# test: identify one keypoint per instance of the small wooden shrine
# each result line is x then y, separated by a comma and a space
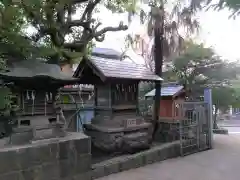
117, 125
171, 97
171, 112
36, 85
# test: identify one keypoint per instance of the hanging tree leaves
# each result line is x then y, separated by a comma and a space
12, 42
180, 16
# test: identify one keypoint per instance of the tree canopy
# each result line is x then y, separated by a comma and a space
12, 41
232, 5
179, 16
65, 30
199, 67
62, 29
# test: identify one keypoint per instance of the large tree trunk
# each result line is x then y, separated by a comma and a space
158, 59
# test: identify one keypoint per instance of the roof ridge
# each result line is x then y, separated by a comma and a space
121, 69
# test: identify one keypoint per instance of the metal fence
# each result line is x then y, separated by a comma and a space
190, 123
195, 129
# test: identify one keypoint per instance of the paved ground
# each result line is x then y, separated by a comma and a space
233, 125
221, 163
229, 123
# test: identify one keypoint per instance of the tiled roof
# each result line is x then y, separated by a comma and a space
121, 69
32, 69
166, 91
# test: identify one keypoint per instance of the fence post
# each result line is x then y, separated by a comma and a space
208, 100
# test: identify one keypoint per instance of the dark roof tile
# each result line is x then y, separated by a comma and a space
122, 69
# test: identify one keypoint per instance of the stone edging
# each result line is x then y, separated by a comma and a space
123, 163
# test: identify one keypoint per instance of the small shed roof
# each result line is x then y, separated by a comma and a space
111, 68
167, 91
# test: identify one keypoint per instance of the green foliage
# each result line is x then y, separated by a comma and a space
222, 97
232, 5
198, 67
121, 5
236, 86
177, 16
6, 101
59, 36
12, 42
62, 37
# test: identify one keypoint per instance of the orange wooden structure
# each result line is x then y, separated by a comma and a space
171, 97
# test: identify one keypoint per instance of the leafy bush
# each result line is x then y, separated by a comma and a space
8, 110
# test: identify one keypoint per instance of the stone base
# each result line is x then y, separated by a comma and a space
126, 140
27, 134
62, 158
168, 131
126, 162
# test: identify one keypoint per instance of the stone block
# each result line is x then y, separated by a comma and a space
177, 150
65, 169
174, 151
31, 173
163, 154
64, 150
8, 162
111, 168
74, 147
42, 153
126, 164
83, 163
83, 176
98, 171
24, 159
83, 146
134, 162
73, 166
54, 159
142, 156
50, 170
10, 176
21, 138
138, 161
152, 156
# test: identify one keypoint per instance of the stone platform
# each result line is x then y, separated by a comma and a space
120, 139
61, 158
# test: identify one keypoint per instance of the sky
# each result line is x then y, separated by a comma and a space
217, 31
220, 32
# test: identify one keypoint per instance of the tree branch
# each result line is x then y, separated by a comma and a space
100, 35
89, 9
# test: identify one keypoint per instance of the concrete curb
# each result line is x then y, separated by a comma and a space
123, 163
230, 125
